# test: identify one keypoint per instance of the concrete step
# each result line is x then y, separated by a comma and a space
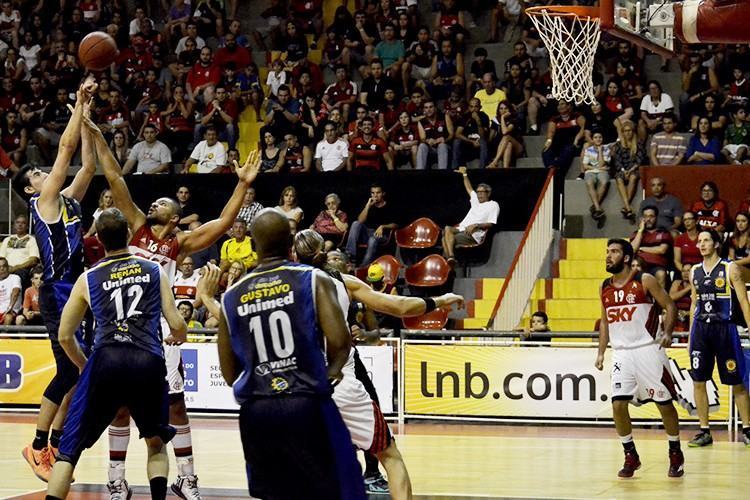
534, 145
577, 200
578, 269
530, 162
575, 288
584, 248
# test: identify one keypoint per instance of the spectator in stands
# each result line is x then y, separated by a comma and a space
31, 314
208, 155
595, 166
737, 138
341, 94
472, 135
239, 248
113, 117
54, 119
654, 107
185, 286
404, 140
419, 57
489, 96
679, 292
208, 254
34, 104
392, 53
297, 158
653, 245
288, 205
716, 117
539, 323
450, 21
284, 113
738, 94
10, 294
628, 154
670, 207
376, 280
13, 138
275, 78
434, 134
447, 70
473, 229
374, 226
179, 123
105, 201
506, 128
739, 247
704, 147
626, 58
250, 207
367, 150
187, 311
7, 166
202, 77
231, 52
711, 211
293, 45
599, 119
617, 103
221, 113
686, 244
564, 136
667, 147
271, 157
150, 156
187, 207
331, 153
20, 250
273, 16
698, 81
10, 23
119, 147
373, 87
331, 223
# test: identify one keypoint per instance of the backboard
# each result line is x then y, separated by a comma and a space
648, 23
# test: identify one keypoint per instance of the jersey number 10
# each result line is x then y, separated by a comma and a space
280, 329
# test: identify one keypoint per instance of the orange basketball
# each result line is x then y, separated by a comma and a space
97, 51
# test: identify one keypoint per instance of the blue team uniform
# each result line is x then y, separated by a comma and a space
126, 367
714, 334
61, 250
295, 443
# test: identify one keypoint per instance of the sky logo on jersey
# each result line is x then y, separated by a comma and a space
190, 366
11, 371
616, 315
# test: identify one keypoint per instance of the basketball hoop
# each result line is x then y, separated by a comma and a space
571, 36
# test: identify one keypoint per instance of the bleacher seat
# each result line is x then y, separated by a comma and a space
391, 269
433, 320
422, 233
433, 270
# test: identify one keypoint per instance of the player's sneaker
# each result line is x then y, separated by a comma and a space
632, 464
119, 490
376, 484
676, 463
39, 460
746, 438
53, 452
701, 439
187, 487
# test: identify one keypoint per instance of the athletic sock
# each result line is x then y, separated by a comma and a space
371, 465
119, 437
54, 438
158, 488
628, 444
40, 440
674, 442
183, 450
705, 430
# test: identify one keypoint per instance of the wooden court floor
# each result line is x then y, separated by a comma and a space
445, 461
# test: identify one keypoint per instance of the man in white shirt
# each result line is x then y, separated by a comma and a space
192, 32
20, 250
185, 285
331, 153
10, 293
209, 155
148, 156
473, 229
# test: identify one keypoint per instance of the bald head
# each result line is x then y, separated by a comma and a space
270, 230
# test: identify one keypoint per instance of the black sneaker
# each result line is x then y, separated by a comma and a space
676, 464
376, 484
701, 439
632, 464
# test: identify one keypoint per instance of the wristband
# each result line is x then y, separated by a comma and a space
429, 304
333, 382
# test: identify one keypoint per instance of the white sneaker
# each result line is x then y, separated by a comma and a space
119, 490
187, 487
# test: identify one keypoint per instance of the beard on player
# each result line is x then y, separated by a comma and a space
616, 267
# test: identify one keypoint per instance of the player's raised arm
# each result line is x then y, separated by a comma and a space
667, 304
228, 361
603, 337
395, 305
72, 316
211, 231
207, 288
740, 290
82, 179
113, 173
332, 322
177, 325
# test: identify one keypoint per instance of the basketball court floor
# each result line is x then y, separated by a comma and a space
445, 461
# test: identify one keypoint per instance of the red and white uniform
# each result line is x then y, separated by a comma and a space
185, 288
164, 252
640, 368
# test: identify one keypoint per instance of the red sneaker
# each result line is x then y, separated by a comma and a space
676, 463
632, 464
39, 460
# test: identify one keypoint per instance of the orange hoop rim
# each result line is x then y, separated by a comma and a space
581, 13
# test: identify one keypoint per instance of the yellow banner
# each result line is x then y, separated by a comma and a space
528, 382
26, 367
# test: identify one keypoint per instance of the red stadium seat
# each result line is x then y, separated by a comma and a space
433, 270
433, 320
391, 269
422, 233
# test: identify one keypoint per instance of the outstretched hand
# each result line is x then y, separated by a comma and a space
449, 299
87, 89
208, 284
250, 170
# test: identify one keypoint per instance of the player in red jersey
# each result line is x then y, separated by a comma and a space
631, 304
154, 238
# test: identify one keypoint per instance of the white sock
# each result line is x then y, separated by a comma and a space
673, 438
119, 437
183, 450
626, 439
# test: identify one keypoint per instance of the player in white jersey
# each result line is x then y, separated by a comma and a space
154, 239
631, 303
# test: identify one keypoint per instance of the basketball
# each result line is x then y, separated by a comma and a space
97, 51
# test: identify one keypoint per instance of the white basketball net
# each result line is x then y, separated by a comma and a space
571, 42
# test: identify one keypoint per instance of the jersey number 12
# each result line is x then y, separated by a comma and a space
134, 291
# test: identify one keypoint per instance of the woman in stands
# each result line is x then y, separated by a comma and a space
679, 291
739, 249
716, 118
338, 121
271, 155
179, 119
390, 111
704, 147
508, 129
686, 244
653, 106
312, 119
105, 201
630, 85
14, 138
119, 147
404, 140
710, 211
628, 154
331, 223
288, 205
617, 103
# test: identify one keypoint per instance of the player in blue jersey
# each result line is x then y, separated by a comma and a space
56, 215
278, 327
128, 296
717, 287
